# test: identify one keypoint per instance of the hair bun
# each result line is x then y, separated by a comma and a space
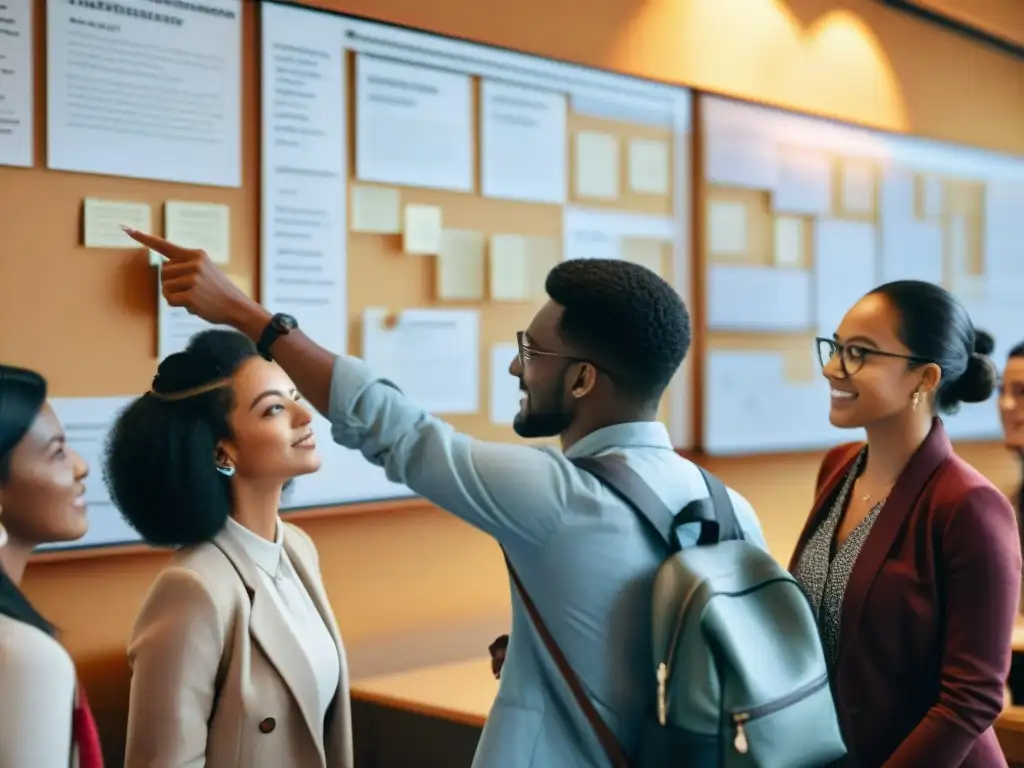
184, 370
978, 382
984, 344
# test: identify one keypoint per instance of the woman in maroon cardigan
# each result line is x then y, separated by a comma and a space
910, 558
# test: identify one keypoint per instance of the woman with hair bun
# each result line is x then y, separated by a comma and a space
45, 720
236, 657
910, 557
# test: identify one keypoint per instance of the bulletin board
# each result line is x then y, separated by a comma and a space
803, 216
381, 275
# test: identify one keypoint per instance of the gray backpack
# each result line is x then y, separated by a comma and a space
740, 678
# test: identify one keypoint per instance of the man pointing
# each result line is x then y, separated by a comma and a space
592, 365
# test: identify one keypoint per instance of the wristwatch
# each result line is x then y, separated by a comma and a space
279, 325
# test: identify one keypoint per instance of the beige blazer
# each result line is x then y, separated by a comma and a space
218, 678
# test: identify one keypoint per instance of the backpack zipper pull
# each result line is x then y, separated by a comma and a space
740, 742
662, 676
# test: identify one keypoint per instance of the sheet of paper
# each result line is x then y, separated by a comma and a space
646, 252
432, 355
304, 216
87, 422
930, 196
304, 171
522, 143
460, 266
166, 101
789, 241
102, 220
742, 298
544, 255
199, 225
510, 268
17, 83
597, 165
376, 210
858, 188
414, 125
844, 269
727, 228
649, 171
804, 183
598, 234
505, 392
175, 326
422, 230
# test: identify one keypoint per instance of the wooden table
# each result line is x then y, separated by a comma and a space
423, 717
1018, 635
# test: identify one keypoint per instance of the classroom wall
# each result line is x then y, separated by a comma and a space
409, 583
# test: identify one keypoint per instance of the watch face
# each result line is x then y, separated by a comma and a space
285, 322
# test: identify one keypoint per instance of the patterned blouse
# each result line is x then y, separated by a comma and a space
823, 574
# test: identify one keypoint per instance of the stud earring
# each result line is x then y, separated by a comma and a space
915, 400
227, 471
3, 535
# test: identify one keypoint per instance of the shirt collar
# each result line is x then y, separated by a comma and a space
265, 554
634, 434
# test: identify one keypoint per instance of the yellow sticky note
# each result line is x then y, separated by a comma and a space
646, 252
544, 255
648, 167
510, 268
199, 225
789, 241
243, 282
460, 266
799, 365
102, 221
597, 165
727, 228
376, 210
421, 235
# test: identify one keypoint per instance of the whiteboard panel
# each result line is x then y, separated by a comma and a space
918, 229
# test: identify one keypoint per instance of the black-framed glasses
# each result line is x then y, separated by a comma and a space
852, 356
526, 352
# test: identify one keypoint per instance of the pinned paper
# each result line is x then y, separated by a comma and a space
510, 268
800, 363
597, 165
198, 225
858, 188
102, 221
544, 256
648, 167
789, 241
930, 196
376, 210
422, 230
460, 266
646, 252
727, 228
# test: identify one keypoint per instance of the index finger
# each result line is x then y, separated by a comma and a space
163, 247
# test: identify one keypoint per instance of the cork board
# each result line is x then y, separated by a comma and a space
86, 318
624, 134
380, 274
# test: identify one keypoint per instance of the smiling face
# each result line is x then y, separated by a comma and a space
880, 378
545, 410
42, 499
1011, 403
272, 433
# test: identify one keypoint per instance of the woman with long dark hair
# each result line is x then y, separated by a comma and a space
45, 721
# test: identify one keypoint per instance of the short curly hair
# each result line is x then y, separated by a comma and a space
159, 464
625, 318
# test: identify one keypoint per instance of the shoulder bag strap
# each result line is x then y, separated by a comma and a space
604, 734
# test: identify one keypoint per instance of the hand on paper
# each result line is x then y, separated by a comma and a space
191, 280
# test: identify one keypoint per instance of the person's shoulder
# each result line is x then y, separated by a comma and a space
28, 654
835, 458
961, 490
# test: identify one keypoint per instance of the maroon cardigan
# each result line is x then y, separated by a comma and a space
924, 647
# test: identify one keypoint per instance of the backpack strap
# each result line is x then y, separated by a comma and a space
715, 514
609, 743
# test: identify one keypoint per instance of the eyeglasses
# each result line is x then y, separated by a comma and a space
852, 356
527, 352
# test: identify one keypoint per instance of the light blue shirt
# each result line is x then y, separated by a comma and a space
585, 557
